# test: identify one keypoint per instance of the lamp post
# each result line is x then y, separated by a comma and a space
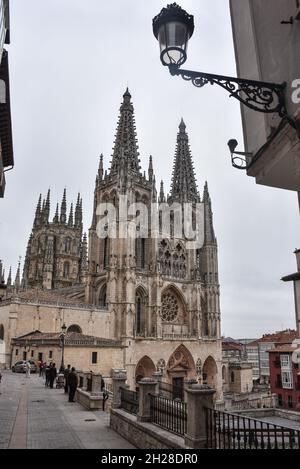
173, 27
62, 340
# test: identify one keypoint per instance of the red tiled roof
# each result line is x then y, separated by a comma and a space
52, 296
283, 337
231, 346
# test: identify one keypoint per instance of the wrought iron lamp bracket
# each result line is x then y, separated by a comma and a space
257, 95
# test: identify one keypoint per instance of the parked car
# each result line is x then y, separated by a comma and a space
19, 367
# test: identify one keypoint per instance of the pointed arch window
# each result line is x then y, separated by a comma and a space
66, 272
102, 297
67, 245
106, 252
140, 253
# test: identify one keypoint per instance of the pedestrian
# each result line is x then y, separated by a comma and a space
73, 383
41, 364
47, 373
104, 394
66, 374
44, 369
27, 369
52, 375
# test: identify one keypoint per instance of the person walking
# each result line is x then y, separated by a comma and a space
27, 369
73, 383
66, 374
41, 364
47, 373
52, 375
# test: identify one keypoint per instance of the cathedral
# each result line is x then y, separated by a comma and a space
152, 296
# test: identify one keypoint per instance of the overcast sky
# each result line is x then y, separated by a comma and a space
70, 62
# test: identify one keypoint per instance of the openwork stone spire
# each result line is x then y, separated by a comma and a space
183, 185
125, 154
209, 233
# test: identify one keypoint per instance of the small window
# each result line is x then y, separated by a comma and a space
50, 354
17, 351
94, 357
40, 357
280, 400
32, 353
232, 377
290, 401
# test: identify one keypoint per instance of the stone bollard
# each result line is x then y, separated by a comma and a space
187, 384
96, 384
119, 381
147, 386
84, 385
157, 376
199, 398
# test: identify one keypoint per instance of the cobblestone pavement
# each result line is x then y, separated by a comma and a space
35, 417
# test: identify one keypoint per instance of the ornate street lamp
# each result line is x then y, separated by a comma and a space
62, 340
173, 27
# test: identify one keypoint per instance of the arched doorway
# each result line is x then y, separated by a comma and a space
210, 371
180, 366
74, 328
144, 369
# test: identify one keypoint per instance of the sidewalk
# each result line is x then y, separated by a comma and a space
36, 417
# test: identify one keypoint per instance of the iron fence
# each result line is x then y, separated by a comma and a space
168, 414
129, 401
170, 391
230, 431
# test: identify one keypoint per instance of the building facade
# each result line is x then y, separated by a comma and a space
267, 46
285, 376
258, 353
295, 278
153, 292
6, 141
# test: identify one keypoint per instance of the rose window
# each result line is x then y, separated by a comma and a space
169, 310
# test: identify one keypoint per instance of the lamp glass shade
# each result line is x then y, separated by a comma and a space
63, 328
173, 41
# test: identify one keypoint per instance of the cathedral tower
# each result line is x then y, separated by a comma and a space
54, 251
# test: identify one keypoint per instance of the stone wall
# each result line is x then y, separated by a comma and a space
143, 435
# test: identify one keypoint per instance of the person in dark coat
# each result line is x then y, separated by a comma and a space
66, 374
73, 383
47, 374
52, 375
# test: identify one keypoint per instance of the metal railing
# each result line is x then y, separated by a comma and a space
230, 431
129, 401
170, 391
168, 414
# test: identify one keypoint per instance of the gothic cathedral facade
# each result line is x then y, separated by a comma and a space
153, 294
163, 298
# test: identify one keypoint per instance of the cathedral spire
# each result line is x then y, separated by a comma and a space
70, 222
209, 234
100, 170
56, 216
150, 169
47, 208
38, 212
9, 278
162, 198
63, 208
125, 153
17, 283
183, 185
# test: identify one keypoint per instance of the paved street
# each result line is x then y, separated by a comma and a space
35, 417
